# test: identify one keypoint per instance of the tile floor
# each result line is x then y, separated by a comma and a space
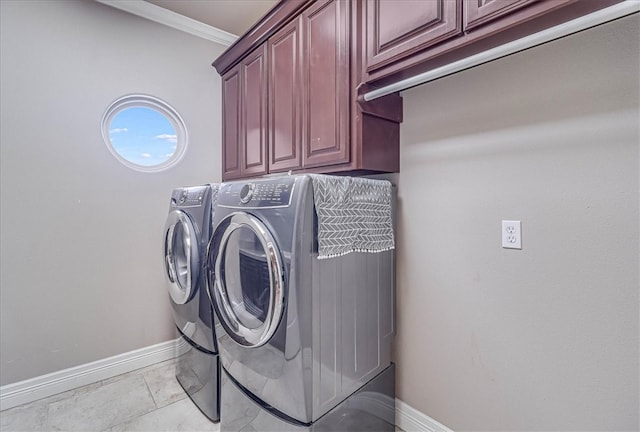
148, 399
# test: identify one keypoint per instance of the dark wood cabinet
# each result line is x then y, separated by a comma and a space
254, 124
244, 118
231, 120
292, 86
325, 70
285, 98
478, 12
304, 114
309, 89
407, 37
397, 28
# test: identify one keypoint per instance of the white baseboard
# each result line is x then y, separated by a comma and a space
410, 419
407, 418
30, 390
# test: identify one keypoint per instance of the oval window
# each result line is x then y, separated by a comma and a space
144, 133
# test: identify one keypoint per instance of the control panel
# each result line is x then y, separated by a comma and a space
188, 197
257, 194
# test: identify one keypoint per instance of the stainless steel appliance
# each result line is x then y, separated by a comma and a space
186, 236
304, 343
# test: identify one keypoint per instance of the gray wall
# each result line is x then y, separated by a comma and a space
80, 242
545, 338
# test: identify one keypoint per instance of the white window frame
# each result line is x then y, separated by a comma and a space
146, 101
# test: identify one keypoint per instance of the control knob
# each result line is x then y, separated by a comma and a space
246, 193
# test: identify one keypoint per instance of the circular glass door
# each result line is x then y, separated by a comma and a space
246, 285
181, 257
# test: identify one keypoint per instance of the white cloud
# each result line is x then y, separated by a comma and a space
168, 155
118, 130
168, 137
145, 155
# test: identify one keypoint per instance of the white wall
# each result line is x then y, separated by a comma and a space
545, 338
80, 242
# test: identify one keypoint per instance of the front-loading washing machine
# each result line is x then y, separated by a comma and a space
186, 235
304, 342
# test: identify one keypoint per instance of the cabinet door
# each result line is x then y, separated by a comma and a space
231, 121
285, 99
254, 113
326, 83
478, 12
397, 28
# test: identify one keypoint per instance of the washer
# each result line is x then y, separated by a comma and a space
305, 343
186, 235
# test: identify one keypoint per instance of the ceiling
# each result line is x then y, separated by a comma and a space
233, 16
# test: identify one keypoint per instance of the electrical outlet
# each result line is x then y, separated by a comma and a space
511, 234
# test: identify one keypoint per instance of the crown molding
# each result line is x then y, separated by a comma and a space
169, 18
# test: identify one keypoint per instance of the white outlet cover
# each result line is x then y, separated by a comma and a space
511, 234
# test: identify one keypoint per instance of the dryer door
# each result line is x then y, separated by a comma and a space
247, 282
181, 256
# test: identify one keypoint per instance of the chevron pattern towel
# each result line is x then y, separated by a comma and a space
354, 215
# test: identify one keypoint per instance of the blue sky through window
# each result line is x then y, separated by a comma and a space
143, 136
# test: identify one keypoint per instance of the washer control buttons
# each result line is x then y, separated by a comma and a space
259, 194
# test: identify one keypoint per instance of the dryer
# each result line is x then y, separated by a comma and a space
186, 235
305, 343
